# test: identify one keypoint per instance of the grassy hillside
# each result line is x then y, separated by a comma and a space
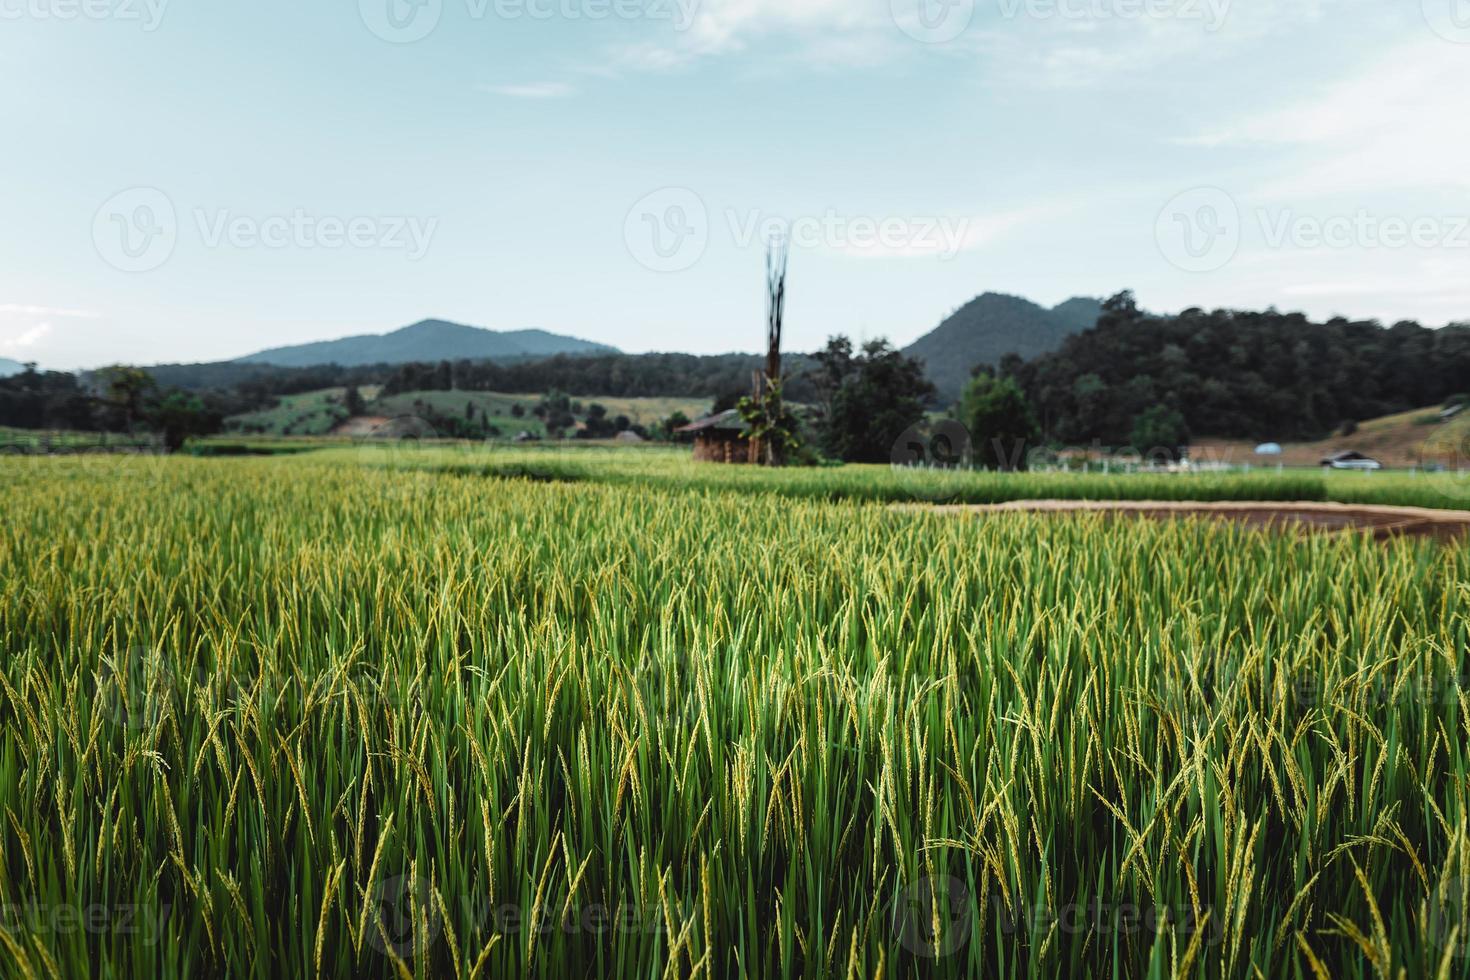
322, 412
313, 413
1408, 439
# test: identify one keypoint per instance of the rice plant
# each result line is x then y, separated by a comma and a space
308, 717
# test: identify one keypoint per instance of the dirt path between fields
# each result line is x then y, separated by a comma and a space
1380, 521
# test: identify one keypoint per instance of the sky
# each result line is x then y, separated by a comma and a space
192, 181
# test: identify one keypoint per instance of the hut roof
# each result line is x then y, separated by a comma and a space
729, 421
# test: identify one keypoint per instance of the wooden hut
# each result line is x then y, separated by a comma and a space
721, 438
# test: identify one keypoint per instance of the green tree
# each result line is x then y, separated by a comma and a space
126, 393
179, 415
666, 429
770, 421
1160, 431
876, 395
353, 402
1002, 425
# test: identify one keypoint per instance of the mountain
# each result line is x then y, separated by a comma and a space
991, 326
9, 367
429, 340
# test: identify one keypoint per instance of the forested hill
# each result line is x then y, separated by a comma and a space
721, 376
989, 327
428, 340
1269, 376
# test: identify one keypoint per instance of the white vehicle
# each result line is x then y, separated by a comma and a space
1351, 461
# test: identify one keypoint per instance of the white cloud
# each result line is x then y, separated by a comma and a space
20, 309
531, 90
28, 338
1032, 43
826, 32
940, 237
725, 25
1398, 124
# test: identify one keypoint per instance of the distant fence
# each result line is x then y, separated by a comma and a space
13, 443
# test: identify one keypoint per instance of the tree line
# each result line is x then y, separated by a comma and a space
114, 399
1135, 378
1236, 374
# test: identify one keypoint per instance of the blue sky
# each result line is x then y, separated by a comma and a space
192, 181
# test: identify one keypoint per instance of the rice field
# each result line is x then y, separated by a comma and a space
339, 716
673, 469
